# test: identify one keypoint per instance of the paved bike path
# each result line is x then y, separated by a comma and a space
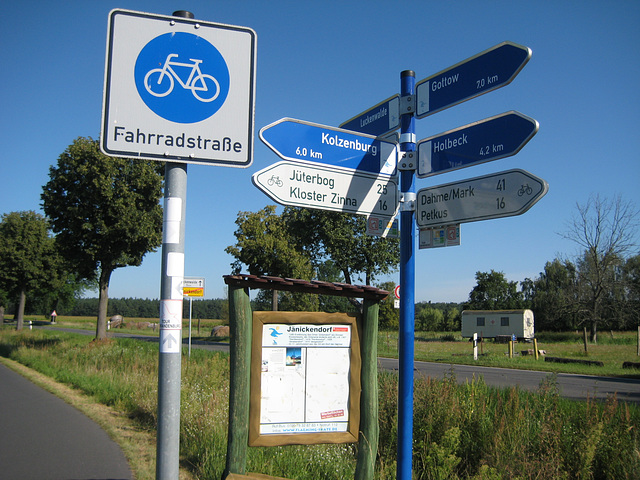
42, 437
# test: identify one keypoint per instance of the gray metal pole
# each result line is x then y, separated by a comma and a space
169, 369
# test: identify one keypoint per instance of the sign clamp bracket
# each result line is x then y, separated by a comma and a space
407, 104
408, 161
408, 201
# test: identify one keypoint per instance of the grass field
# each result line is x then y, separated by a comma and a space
613, 348
469, 431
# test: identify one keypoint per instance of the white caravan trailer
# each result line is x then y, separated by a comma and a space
494, 323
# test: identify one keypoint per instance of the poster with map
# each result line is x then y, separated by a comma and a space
305, 378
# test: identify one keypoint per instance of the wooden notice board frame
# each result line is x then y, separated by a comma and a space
260, 319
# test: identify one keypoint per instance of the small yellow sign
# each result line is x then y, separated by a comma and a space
193, 291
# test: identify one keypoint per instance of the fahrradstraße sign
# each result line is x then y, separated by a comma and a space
178, 89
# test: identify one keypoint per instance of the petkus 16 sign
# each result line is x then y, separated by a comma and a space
497, 195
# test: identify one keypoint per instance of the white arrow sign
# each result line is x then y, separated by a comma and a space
497, 195
169, 342
324, 188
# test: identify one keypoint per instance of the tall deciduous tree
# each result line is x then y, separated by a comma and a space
301, 241
265, 244
606, 230
342, 238
494, 292
553, 296
28, 260
105, 212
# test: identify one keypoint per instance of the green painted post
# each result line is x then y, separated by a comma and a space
369, 429
240, 325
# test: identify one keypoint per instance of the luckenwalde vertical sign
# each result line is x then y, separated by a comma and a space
305, 379
178, 89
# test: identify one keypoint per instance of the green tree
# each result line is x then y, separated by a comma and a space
606, 231
632, 285
430, 319
494, 292
388, 315
264, 244
105, 212
342, 238
304, 243
553, 296
29, 263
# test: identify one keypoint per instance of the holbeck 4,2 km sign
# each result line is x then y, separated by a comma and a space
178, 89
325, 188
490, 139
497, 195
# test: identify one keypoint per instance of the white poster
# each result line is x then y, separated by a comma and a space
305, 378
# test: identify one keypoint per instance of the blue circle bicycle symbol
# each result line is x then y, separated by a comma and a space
182, 77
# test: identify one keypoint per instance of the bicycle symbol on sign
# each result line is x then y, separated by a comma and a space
199, 83
525, 189
274, 179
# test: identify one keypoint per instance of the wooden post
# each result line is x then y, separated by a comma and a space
369, 428
240, 325
535, 347
584, 331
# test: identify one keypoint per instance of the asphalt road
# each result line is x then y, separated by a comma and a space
42, 437
575, 387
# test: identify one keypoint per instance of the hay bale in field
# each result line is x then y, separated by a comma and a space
117, 321
220, 331
138, 325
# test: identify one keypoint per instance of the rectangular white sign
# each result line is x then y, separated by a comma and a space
326, 188
447, 236
178, 89
305, 378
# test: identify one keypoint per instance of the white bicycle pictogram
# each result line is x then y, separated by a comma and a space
197, 81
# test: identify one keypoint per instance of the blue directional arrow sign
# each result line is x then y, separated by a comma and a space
379, 120
496, 137
308, 142
482, 73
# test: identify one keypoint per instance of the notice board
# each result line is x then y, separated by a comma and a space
305, 378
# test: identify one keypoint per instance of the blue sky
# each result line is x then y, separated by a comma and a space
326, 61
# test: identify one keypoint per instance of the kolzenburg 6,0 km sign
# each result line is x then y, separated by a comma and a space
178, 89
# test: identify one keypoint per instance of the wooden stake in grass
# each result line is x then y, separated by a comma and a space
585, 339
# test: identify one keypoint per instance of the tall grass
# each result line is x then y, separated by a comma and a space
468, 431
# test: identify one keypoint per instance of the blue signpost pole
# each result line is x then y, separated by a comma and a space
407, 278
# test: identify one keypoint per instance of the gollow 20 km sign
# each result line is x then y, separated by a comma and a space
178, 89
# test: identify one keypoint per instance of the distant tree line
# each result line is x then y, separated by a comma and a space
146, 308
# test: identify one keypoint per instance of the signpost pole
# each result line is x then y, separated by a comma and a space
169, 367
407, 283
190, 312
